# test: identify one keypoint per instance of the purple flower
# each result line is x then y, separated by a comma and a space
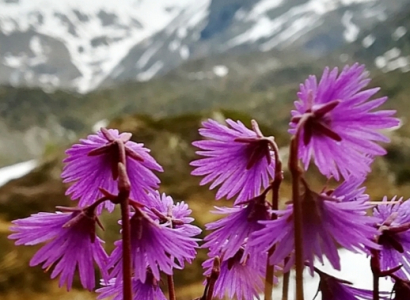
233, 231
329, 220
155, 246
395, 236
339, 126
239, 278
141, 290
237, 158
93, 164
333, 288
176, 215
72, 244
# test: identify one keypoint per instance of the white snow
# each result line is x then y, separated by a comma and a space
220, 70
182, 32
174, 45
291, 24
355, 269
351, 30
262, 7
102, 123
96, 62
392, 53
15, 171
391, 60
399, 33
368, 41
184, 52
148, 74
143, 60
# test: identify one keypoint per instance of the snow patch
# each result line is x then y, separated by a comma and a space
181, 33
351, 30
184, 52
145, 57
399, 33
16, 171
368, 41
391, 60
355, 268
174, 45
392, 53
262, 7
102, 123
220, 70
103, 45
148, 74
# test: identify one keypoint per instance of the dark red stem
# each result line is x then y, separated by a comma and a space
375, 266
270, 269
297, 205
171, 287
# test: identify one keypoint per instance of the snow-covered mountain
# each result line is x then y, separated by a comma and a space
83, 44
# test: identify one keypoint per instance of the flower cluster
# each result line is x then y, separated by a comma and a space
107, 169
335, 124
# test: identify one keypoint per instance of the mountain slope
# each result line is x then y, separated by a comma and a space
86, 44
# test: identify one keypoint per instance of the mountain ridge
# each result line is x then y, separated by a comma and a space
82, 45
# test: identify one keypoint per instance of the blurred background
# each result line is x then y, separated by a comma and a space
157, 68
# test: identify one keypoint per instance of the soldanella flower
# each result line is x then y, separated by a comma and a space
148, 290
176, 215
93, 164
236, 158
71, 244
332, 288
239, 278
233, 231
153, 246
339, 125
328, 220
395, 236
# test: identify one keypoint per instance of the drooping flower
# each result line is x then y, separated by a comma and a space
339, 127
328, 220
153, 246
93, 164
395, 236
237, 158
176, 215
233, 231
140, 290
239, 278
72, 244
332, 288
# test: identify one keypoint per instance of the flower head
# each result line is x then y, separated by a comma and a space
140, 290
237, 158
333, 288
338, 124
233, 231
153, 246
239, 278
395, 236
328, 220
93, 164
72, 244
164, 210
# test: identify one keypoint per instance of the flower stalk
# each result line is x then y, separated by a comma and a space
297, 213
270, 269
